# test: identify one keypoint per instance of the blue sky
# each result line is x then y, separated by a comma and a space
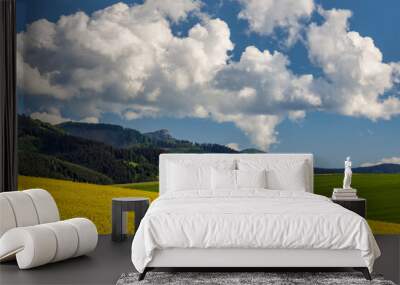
329, 135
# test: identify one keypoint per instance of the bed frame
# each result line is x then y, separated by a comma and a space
249, 259
246, 258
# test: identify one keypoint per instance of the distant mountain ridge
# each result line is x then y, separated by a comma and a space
120, 137
113, 135
379, 168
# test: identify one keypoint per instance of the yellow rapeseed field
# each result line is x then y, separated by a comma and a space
384, 228
83, 199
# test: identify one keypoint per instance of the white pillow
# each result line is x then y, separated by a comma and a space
251, 178
281, 174
223, 179
215, 163
188, 177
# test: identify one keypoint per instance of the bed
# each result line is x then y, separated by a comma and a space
246, 211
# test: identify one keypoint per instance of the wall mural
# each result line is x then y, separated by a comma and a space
104, 87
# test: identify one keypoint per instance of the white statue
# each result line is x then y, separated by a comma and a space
347, 174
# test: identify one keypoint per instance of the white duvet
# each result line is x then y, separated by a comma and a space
250, 219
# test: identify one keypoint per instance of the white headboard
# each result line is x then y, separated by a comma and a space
164, 158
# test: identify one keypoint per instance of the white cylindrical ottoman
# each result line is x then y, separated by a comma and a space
40, 244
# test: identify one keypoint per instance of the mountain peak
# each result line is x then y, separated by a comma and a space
161, 135
163, 132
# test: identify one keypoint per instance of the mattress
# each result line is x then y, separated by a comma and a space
250, 219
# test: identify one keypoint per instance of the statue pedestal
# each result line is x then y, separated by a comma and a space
344, 190
344, 194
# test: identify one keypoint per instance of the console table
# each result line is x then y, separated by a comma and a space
120, 207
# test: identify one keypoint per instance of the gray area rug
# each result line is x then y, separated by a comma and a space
228, 278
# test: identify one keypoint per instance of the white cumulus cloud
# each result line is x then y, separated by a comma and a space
92, 120
297, 115
355, 76
392, 160
234, 146
54, 117
264, 16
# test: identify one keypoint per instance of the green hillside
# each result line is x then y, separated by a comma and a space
51, 167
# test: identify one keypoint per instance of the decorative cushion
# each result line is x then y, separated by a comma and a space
188, 177
231, 180
251, 178
281, 174
223, 179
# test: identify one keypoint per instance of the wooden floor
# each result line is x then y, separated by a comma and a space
110, 260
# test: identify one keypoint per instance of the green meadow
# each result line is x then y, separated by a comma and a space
94, 201
382, 192
145, 186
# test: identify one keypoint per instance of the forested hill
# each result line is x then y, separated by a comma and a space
48, 151
96, 153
